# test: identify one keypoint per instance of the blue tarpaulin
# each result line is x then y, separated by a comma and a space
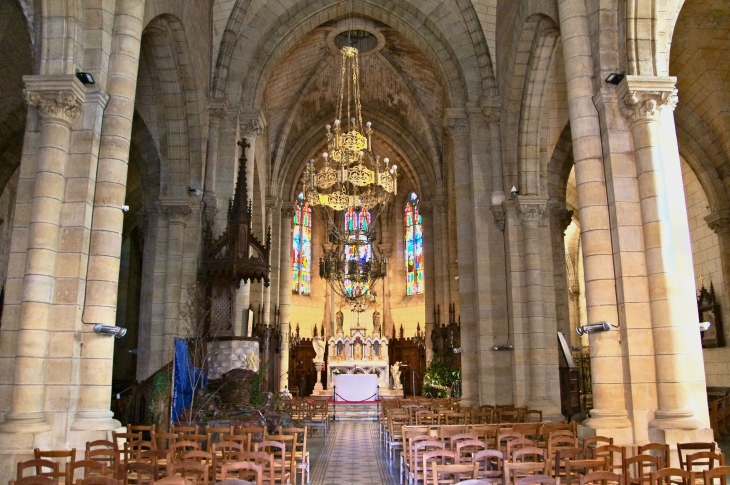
187, 380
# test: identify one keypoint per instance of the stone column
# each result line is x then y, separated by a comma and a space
217, 110
176, 212
145, 362
530, 210
94, 400
287, 213
457, 126
560, 219
440, 278
719, 221
426, 210
673, 307
491, 110
59, 101
609, 401
272, 204
447, 281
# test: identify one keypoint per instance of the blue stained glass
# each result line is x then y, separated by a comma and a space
413, 246
302, 247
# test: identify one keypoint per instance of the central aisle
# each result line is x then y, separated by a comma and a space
351, 454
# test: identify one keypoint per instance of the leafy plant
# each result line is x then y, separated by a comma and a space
257, 397
440, 377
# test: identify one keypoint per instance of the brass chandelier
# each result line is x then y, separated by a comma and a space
350, 181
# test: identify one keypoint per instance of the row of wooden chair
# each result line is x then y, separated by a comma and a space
310, 412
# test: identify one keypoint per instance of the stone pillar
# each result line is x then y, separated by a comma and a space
272, 204
719, 221
59, 101
440, 277
287, 213
530, 210
426, 210
491, 109
560, 219
673, 305
442, 212
176, 212
146, 364
217, 110
94, 400
457, 126
609, 401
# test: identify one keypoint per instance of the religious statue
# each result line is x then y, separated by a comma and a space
340, 319
395, 371
319, 347
252, 361
376, 322
358, 351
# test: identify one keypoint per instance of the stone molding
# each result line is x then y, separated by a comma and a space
719, 221
440, 203
287, 210
217, 110
643, 97
530, 208
456, 122
56, 97
499, 216
251, 123
562, 217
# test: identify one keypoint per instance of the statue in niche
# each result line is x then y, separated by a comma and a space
319, 347
376, 322
340, 348
340, 319
358, 350
395, 371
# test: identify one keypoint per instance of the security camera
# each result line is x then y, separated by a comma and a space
118, 332
503, 347
125, 208
193, 191
594, 327
514, 191
705, 326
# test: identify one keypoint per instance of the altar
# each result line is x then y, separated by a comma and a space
355, 387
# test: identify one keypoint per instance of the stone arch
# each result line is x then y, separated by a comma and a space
165, 46
560, 165
648, 55
531, 149
459, 70
530, 49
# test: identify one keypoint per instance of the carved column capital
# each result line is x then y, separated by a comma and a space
217, 110
252, 123
530, 208
176, 210
440, 203
58, 98
719, 221
456, 122
491, 108
643, 97
287, 210
272, 203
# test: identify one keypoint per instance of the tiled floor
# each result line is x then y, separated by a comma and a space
351, 455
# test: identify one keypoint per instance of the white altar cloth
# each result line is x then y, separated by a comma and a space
356, 387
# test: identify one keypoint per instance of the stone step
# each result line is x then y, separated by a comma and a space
355, 412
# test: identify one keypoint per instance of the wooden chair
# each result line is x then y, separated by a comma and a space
458, 438
171, 481
281, 466
242, 439
242, 470
103, 451
214, 433
529, 453
319, 416
455, 472
560, 440
394, 439
265, 461
574, 469
204, 458
254, 435
410, 439
178, 448
539, 480
684, 449
656, 449
466, 449
89, 468
183, 430
509, 416
595, 441
528, 430
644, 465
197, 473
33, 480
419, 448
602, 478
533, 416
514, 471
506, 435
436, 457
301, 455
139, 473
225, 453
703, 460
665, 476
38, 465
616, 455
490, 464
63, 457
516, 444
717, 475
98, 480
565, 454
145, 430
163, 441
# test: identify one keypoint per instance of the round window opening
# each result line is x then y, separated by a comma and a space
362, 40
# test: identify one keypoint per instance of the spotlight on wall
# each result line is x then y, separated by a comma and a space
705, 326
85, 77
503, 347
193, 191
614, 78
125, 208
514, 192
594, 327
118, 332
457, 350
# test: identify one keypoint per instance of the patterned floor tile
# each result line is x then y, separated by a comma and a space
351, 455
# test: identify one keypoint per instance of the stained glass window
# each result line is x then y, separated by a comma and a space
302, 248
414, 247
363, 252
